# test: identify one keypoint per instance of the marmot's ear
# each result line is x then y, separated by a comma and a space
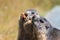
42, 20
33, 19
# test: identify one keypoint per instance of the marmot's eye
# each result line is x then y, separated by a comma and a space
41, 21
26, 15
32, 12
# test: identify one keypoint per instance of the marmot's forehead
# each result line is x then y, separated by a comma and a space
31, 11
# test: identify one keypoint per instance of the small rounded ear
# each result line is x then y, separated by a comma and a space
42, 20
45, 19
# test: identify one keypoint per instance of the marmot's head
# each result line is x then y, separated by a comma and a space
41, 24
27, 17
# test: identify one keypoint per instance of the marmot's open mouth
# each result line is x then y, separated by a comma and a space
27, 21
25, 17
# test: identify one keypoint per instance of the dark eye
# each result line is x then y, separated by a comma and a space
32, 12
26, 15
41, 21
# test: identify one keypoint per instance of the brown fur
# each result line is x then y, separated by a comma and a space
26, 31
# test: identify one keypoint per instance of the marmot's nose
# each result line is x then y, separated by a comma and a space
26, 14
32, 12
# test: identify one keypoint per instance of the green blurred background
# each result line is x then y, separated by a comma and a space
10, 11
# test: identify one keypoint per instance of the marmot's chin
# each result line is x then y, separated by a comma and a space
28, 22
